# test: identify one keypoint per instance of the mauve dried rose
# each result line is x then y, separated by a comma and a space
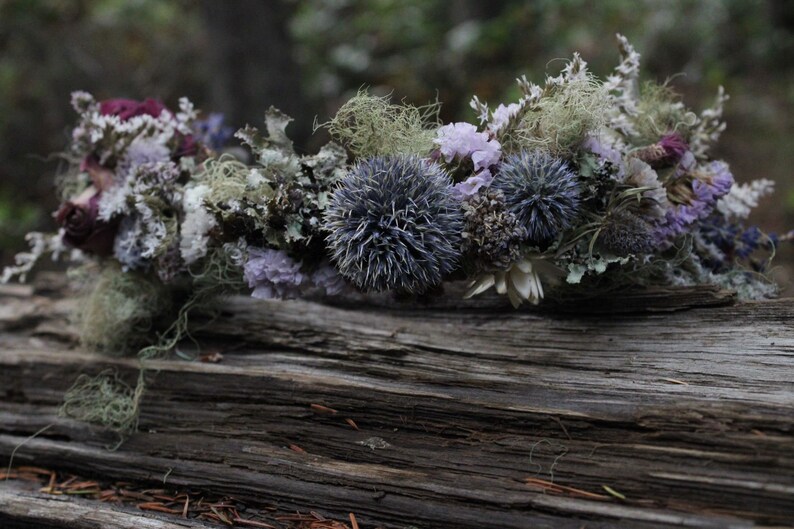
82, 229
129, 108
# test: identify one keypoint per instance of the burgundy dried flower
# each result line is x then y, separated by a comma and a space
674, 147
82, 229
667, 152
187, 146
129, 108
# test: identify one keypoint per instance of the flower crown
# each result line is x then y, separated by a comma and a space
580, 184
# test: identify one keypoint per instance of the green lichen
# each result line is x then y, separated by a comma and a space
228, 180
371, 126
218, 274
120, 309
105, 400
561, 119
659, 112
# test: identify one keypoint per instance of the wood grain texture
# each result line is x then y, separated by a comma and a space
22, 508
459, 413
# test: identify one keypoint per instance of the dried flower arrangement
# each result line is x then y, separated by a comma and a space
582, 183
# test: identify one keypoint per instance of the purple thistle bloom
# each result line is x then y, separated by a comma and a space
542, 192
674, 148
272, 274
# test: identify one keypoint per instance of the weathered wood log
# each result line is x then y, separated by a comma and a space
25, 509
446, 415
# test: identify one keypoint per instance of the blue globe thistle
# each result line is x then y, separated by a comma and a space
541, 191
394, 224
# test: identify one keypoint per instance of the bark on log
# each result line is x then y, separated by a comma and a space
461, 414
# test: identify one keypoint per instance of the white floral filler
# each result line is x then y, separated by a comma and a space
580, 184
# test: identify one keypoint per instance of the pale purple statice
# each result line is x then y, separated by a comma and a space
607, 154
328, 279
722, 179
715, 182
686, 165
142, 150
462, 140
272, 274
472, 185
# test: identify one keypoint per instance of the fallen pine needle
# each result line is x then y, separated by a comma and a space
34, 470
159, 507
352, 423
353, 521
613, 492
220, 515
296, 448
553, 487
135, 495
81, 485
319, 408
253, 523
675, 381
51, 485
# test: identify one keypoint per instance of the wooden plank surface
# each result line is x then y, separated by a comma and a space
461, 415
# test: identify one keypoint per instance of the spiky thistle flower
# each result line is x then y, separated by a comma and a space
541, 191
624, 233
394, 224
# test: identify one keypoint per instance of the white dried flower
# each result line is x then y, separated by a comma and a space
194, 242
521, 282
741, 199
